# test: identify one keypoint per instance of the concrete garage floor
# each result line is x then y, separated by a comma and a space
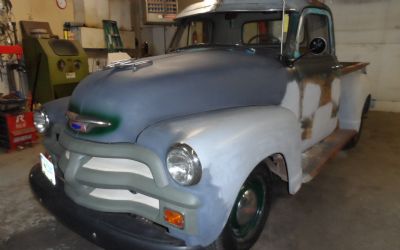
353, 204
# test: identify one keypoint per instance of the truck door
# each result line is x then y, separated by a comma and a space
317, 77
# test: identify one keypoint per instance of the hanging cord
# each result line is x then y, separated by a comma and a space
283, 25
165, 39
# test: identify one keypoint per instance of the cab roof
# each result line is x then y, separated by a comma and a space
209, 6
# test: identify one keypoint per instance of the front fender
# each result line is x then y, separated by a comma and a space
57, 109
230, 144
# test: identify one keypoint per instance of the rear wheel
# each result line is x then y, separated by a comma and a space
249, 213
354, 141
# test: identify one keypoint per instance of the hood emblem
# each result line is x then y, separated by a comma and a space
135, 65
84, 124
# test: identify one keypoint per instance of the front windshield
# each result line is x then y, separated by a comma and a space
230, 29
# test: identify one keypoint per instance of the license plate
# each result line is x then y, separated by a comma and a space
70, 75
48, 169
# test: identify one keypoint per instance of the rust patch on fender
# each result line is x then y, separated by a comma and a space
325, 84
335, 110
326, 89
307, 126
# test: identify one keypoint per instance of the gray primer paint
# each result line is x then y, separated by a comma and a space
246, 5
177, 85
218, 139
355, 91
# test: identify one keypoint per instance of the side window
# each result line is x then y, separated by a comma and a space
314, 25
196, 33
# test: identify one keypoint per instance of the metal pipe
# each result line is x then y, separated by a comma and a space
283, 24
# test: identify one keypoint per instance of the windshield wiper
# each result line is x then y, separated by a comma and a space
193, 46
205, 45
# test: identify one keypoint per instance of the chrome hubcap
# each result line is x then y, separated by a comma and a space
246, 208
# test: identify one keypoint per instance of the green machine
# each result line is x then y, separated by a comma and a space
54, 66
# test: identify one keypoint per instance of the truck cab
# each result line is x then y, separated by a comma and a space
313, 75
180, 151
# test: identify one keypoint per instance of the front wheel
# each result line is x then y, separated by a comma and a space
249, 213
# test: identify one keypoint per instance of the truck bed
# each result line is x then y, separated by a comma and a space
349, 67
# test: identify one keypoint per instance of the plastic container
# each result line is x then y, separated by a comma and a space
11, 104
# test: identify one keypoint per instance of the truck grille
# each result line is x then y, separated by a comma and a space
118, 165
125, 195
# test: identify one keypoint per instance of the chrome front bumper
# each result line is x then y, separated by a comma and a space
108, 230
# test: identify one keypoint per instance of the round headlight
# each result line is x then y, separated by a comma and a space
183, 165
41, 121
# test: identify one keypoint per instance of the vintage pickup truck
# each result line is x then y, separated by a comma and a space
178, 151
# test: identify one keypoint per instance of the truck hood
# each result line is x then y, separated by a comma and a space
176, 85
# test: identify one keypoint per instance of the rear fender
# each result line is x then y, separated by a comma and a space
355, 92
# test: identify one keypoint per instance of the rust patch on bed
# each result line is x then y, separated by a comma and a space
350, 67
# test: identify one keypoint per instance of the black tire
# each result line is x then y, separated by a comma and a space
354, 141
240, 233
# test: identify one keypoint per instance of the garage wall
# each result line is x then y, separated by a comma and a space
185, 3
43, 10
369, 30
47, 10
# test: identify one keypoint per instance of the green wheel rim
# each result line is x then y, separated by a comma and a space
249, 208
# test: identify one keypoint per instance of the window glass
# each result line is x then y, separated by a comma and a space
264, 32
196, 32
63, 47
314, 26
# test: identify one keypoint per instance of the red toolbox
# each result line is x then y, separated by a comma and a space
17, 129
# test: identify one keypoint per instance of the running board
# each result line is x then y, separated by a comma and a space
316, 157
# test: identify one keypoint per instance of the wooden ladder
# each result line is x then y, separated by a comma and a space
112, 37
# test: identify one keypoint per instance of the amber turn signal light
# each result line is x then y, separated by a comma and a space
174, 218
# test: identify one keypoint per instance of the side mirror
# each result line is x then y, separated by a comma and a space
317, 46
